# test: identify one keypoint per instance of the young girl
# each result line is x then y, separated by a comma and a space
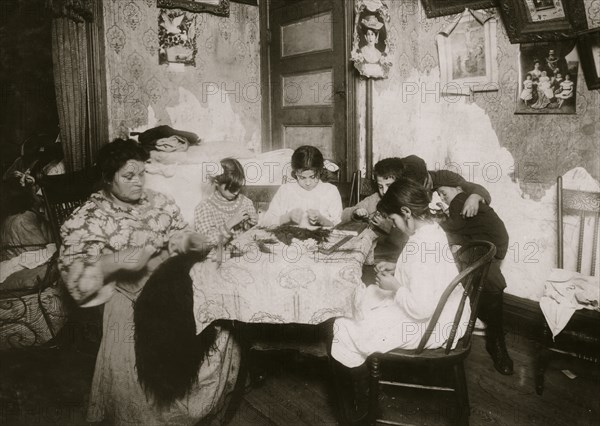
395, 312
227, 213
307, 201
527, 92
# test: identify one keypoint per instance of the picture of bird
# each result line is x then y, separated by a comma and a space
172, 25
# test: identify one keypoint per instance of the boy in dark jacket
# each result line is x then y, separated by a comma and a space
487, 226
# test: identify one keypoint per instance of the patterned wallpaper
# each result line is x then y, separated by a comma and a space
548, 144
219, 98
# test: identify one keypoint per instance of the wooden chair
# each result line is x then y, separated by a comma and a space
473, 260
64, 193
581, 337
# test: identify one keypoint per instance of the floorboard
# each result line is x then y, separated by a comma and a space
50, 387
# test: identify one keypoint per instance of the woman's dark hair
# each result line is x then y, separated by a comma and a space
16, 198
307, 157
406, 193
114, 155
233, 175
388, 168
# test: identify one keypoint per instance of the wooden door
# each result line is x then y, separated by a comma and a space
308, 77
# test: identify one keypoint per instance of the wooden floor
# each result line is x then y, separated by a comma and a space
44, 387
296, 393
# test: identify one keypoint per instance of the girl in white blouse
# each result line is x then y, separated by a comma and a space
307, 201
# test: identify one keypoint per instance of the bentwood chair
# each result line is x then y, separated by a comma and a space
473, 260
64, 193
581, 336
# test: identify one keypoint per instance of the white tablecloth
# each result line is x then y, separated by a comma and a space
290, 284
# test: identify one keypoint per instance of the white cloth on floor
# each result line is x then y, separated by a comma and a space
566, 292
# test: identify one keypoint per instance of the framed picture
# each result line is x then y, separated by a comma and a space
176, 37
371, 46
434, 8
547, 78
216, 7
588, 46
467, 54
542, 20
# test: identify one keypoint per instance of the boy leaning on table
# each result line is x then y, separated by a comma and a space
390, 242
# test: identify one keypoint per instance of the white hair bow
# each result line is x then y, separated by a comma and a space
332, 167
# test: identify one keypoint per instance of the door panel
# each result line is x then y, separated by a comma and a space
312, 34
308, 76
312, 88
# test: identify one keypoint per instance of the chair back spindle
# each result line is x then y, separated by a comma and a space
473, 261
583, 204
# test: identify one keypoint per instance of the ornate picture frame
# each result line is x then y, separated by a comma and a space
216, 7
588, 46
528, 21
548, 74
467, 51
176, 37
371, 43
435, 8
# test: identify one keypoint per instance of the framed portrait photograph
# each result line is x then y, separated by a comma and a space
434, 8
216, 7
542, 20
547, 78
588, 46
371, 46
467, 54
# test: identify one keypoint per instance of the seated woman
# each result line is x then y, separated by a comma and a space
395, 312
112, 243
23, 226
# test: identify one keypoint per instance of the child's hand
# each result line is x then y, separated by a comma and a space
386, 281
236, 219
471, 206
296, 216
314, 217
361, 213
383, 223
383, 267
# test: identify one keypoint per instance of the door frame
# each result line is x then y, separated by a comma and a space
352, 144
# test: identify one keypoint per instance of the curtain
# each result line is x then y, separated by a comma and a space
80, 85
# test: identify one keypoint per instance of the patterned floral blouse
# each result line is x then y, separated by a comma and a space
101, 227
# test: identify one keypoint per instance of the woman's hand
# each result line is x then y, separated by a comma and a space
385, 267
130, 259
387, 281
471, 206
197, 242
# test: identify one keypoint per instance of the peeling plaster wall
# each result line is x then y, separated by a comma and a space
516, 157
219, 98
